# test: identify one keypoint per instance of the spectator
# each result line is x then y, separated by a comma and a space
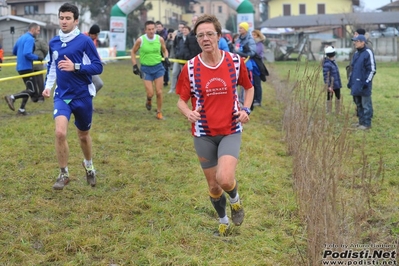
163, 32
259, 39
179, 54
332, 80
191, 47
361, 81
41, 50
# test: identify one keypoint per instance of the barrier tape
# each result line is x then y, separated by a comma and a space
107, 58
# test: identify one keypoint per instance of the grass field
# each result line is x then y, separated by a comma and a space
150, 206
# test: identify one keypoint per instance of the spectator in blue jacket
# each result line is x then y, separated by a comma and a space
361, 81
24, 50
223, 44
332, 79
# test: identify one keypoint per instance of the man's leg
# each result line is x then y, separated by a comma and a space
367, 110
158, 88
359, 108
175, 73
62, 151
149, 92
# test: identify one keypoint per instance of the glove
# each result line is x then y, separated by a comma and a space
40, 59
136, 70
167, 62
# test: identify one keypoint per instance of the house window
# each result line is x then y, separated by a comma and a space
286, 10
321, 9
31, 10
302, 9
201, 9
220, 9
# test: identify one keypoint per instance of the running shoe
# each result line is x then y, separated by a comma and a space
10, 102
224, 229
160, 116
237, 213
90, 175
62, 181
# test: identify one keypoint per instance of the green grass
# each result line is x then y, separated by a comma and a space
150, 206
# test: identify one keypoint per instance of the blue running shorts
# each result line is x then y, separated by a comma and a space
151, 73
82, 110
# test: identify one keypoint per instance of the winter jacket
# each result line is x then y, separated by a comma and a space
179, 48
23, 49
363, 70
331, 74
191, 46
246, 45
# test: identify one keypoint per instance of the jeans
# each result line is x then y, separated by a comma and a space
258, 89
364, 109
175, 74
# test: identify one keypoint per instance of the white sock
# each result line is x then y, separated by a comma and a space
65, 169
224, 220
88, 163
234, 200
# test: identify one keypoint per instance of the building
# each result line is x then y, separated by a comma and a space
169, 12
392, 7
278, 8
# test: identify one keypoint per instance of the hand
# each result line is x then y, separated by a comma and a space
242, 116
40, 58
46, 93
167, 62
136, 70
66, 65
330, 89
195, 115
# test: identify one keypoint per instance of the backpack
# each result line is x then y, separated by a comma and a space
261, 66
229, 44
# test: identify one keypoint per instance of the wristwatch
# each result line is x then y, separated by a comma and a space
77, 67
247, 110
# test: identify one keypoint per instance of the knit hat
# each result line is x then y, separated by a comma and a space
360, 31
244, 25
94, 29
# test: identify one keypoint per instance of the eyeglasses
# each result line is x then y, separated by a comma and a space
208, 34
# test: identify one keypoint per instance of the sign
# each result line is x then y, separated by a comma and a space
118, 26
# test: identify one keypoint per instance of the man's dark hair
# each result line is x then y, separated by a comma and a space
67, 7
33, 25
148, 22
158, 23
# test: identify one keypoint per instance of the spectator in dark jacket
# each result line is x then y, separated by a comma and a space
191, 47
361, 81
179, 54
332, 79
163, 32
41, 50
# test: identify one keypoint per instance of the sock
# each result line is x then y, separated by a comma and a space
235, 199
220, 205
88, 163
233, 193
149, 99
224, 220
12, 97
64, 170
21, 110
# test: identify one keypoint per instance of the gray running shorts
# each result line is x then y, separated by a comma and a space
210, 149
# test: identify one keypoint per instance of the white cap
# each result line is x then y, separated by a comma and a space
329, 50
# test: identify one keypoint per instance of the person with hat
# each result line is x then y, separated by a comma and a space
245, 46
332, 79
93, 34
361, 81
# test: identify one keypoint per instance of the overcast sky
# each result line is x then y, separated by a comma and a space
374, 4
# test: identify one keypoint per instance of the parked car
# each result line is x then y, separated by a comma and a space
388, 32
103, 38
